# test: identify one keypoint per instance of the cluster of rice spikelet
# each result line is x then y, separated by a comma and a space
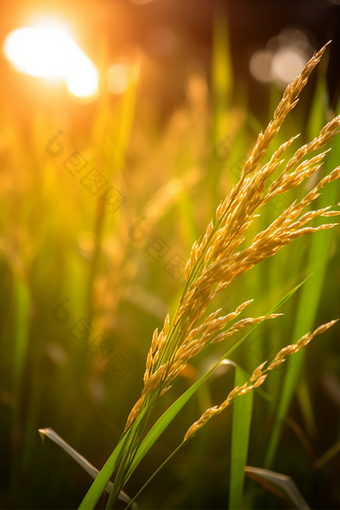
217, 259
258, 377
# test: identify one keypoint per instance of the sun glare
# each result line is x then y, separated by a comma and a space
50, 53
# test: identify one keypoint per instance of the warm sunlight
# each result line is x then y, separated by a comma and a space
50, 53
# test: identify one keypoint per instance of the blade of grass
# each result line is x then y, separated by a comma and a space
84, 463
281, 485
154, 474
242, 413
102, 479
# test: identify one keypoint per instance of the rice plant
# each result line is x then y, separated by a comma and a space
218, 258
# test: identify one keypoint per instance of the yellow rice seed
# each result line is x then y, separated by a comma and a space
304, 340
290, 349
154, 340
191, 430
260, 380
208, 254
164, 390
246, 390
167, 324
233, 392
275, 363
149, 360
324, 327
210, 228
225, 404
257, 372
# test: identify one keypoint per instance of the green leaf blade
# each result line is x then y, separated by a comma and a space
242, 413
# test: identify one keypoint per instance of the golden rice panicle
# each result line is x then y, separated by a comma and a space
217, 259
286, 180
258, 377
287, 103
251, 194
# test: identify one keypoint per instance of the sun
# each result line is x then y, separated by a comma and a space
46, 50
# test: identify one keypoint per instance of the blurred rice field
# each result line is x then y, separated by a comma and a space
86, 253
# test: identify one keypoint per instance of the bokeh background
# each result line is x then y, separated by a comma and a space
175, 79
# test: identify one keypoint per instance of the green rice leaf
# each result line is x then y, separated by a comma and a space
281, 485
84, 463
102, 479
242, 413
